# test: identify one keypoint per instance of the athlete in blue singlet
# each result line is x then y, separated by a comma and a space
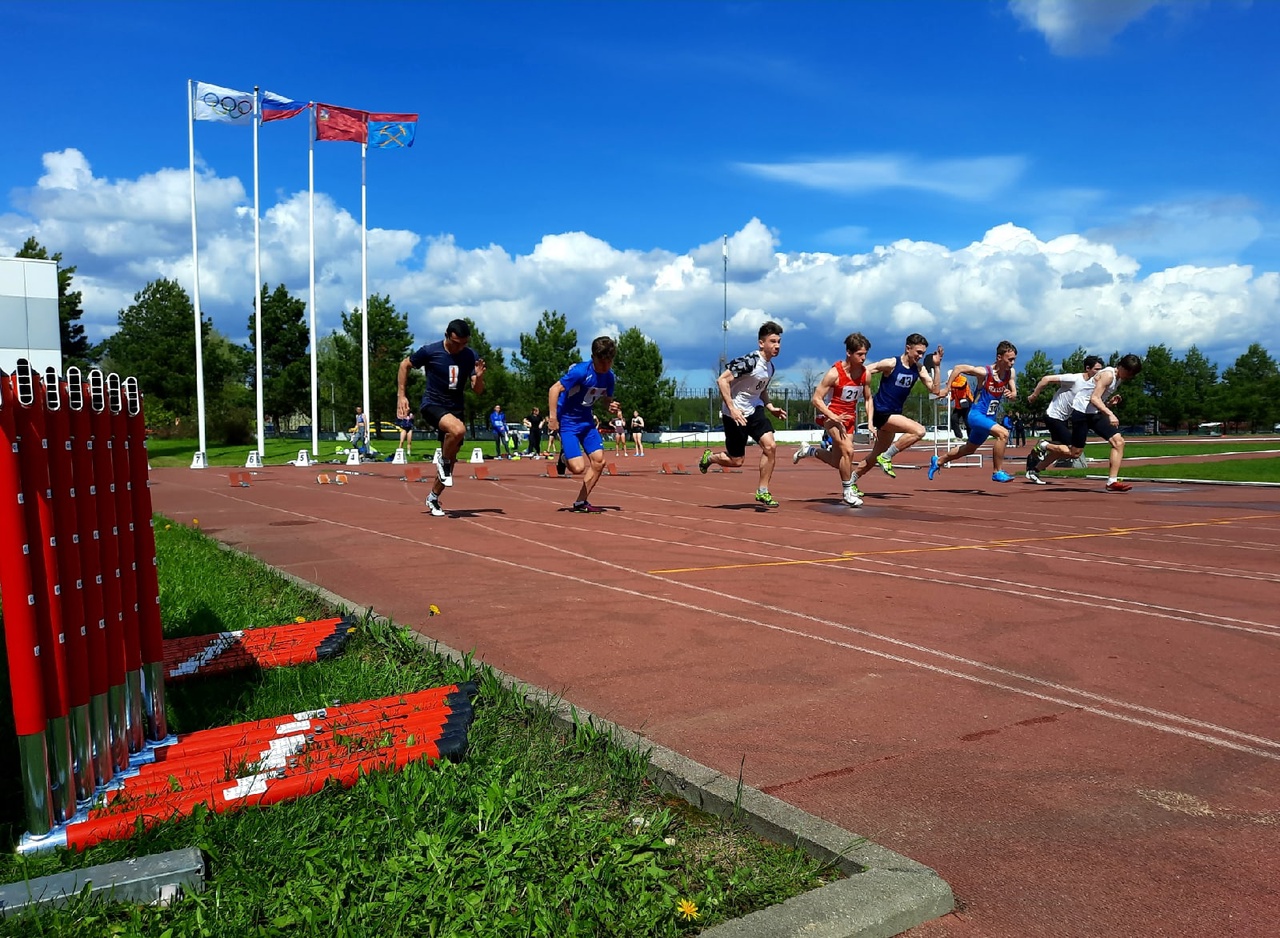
899, 376
998, 383
570, 410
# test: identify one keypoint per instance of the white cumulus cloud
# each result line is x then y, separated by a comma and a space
1008, 283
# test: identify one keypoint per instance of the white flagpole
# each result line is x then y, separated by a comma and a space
257, 275
311, 298
364, 279
198, 460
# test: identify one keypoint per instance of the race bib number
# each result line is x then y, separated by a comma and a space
992, 408
453, 377
850, 392
905, 381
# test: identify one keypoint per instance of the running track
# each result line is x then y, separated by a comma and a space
1064, 701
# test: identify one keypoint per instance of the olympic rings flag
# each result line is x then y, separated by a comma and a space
224, 105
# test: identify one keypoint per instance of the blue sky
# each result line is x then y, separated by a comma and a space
1053, 172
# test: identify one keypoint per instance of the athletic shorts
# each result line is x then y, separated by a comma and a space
1059, 430
432, 415
848, 421
979, 427
735, 437
577, 441
404, 424
1082, 423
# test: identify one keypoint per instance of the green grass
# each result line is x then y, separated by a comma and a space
1266, 469
1192, 447
534, 832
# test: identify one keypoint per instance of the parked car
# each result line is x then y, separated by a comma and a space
693, 427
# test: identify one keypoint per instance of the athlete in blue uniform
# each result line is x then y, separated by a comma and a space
998, 382
570, 410
899, 376
450, 367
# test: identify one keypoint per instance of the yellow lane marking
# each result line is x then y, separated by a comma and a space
989, 545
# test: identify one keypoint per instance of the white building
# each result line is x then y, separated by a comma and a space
29, 314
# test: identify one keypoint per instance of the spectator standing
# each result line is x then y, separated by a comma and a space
619, 426
360, 435
405, 426
534, 423
501, 438
637, 432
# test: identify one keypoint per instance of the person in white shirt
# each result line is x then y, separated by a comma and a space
1057, 418
1091, 410
744, 388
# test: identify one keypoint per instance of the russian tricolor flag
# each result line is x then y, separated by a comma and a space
275, 107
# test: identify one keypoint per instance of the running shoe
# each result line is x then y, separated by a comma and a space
1001, 476
852, 498
885, 463
803, 452
443, 472
705, 461
1118, 486
434, 504
854, 487
586, 508
1033, 460
1034, 477
933, 467
1042, 446
764, 498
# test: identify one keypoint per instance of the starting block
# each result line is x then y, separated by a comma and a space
412, 474
239, 479
339, 478
714, 468
482, 473
677, 470
611, 469
477, 456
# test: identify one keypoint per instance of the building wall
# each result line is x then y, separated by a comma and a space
29, 314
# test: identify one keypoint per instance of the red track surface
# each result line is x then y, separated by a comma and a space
1065, 701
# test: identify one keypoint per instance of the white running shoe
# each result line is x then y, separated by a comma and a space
805, 450
852, 499
1033, 476
433, 503
442, 472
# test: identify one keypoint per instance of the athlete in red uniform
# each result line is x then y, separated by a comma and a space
836, 400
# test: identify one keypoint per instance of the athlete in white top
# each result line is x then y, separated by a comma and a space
744, 391
1058, 418
1094, 413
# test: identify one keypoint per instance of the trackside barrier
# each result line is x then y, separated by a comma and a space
86, 654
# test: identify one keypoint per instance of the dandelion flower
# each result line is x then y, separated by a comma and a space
167, 527
195, 521
299, 619
687, 909
434, 610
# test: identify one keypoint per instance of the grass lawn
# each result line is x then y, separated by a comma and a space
535, 832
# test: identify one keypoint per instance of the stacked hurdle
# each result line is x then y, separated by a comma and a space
87, 658
78, 577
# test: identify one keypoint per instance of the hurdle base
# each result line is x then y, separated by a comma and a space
157, 879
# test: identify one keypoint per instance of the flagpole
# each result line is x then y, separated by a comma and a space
364, 278
311, 298
198, 460
257, 277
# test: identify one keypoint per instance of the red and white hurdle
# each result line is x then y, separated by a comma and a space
78, 576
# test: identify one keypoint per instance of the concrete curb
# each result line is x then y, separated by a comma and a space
884, 893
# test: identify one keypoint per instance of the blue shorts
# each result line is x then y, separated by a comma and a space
979, 427
576, 441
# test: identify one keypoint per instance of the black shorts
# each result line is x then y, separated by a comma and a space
1059, 430
735, 436
432, 415
1082, 423
881, 418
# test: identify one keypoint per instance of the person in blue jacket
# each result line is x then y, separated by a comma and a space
501, 436
571, 410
